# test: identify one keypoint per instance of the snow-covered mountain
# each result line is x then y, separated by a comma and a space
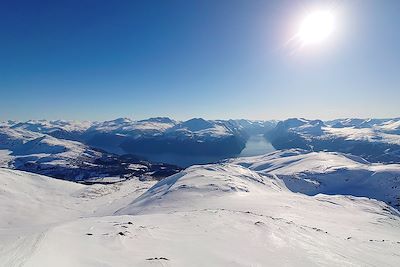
254, 127
45, 126
152, 126
387, 125
65, 159
212, 215
132, 127
56, 128
155, 136
39, 146
375, 140
329, 173
195, 137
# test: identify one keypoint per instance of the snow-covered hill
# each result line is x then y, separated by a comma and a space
373, 139
56, 128
254, 127
34, 148
211, 215
65, 159
152, 126
330, 173
28, 199
31, 205
45, 126
385, 125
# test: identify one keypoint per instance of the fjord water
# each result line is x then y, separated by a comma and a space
256, 145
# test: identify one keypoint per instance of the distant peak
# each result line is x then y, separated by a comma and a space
121, 120
158, 119
196, 124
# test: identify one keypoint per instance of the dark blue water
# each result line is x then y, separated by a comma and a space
256, 145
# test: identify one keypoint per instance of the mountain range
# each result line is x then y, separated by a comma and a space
79, 150
329, 195
376, 140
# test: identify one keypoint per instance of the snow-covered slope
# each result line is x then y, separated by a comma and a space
211, 215
386, 125
65, 159
32, 205
152, 126
199, 185
374, 139
12, 138
254, 127
27, 198
329, 173
373, 135
391, 126
34, 148
45, 126
57, 128
199, 127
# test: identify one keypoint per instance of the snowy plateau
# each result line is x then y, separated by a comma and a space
91, 193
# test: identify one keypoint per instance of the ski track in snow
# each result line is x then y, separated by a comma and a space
23, 248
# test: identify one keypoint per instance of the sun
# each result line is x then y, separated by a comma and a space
316, 27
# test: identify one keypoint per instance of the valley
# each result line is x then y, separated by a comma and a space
302, 205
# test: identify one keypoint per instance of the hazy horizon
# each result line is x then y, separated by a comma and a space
195, 117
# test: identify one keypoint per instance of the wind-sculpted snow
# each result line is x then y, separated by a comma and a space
212, 215
329, 173
374, 139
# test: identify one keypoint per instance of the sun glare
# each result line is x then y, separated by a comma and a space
316, 27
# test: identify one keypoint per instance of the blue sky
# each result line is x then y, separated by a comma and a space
98, 60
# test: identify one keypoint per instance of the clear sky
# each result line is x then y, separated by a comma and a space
95, 60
